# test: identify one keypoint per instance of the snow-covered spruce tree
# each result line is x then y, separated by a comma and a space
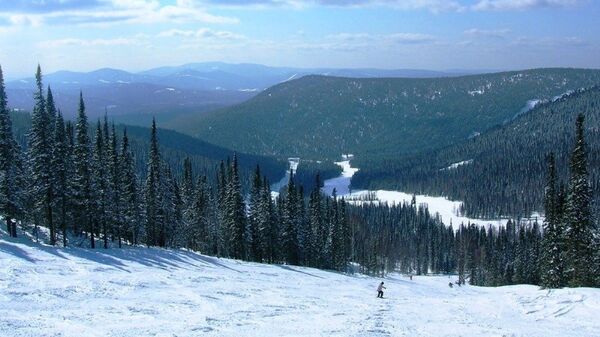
61, 175
235, 213
99, 185
304, 230
222, 230
289, 221
315, 219
579, 234
253, 244
116, 207
152, 193
552, 264
128, 189
172, 206
187, 196
202, 214
39, 151
82, 198
11, 193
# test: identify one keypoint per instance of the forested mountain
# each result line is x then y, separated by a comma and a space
176, 91
321, 117
500, 172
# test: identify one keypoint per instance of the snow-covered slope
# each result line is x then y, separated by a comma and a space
447, 210
47, 291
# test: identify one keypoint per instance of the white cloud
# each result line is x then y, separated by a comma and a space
504, 5
89, 43
109, 12
202, 33
493, 33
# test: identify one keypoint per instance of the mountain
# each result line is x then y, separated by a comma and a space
189, 89
502, 172
321, 117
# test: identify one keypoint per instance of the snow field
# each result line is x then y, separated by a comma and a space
48, 291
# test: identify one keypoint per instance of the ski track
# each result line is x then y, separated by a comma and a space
47, 291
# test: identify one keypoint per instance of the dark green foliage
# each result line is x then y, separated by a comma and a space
318, 117
580, 230
505, 174
11, 175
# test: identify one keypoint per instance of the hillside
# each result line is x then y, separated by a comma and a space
503, 171
176, 91
321, 117
49, 291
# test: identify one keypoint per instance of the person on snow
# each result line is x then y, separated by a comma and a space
380, 290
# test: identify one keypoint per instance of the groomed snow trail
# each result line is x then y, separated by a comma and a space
47, 291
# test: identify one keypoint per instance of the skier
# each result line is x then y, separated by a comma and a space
380, 290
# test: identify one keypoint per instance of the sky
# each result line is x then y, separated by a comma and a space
135, 35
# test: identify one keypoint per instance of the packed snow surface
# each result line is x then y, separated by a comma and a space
74, 292
448, 210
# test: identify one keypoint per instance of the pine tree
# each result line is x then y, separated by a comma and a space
60, 160
235, 217
579, 235
40, 159
552, 265
82, 181
115, 206
11, 193
289, 220
152, 192
255, 218
99, 184
129, 192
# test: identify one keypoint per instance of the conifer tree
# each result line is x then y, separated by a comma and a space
40, 159
579, 235
235, 218
152, 192
11, 193
99, 184
129, 192
552, 264
60, 160
82, 180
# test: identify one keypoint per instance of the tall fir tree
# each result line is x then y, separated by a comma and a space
552, 264
235, 216
579, 235
11, 192
40, 160
82, 198
152, 192
61, 175
128, 188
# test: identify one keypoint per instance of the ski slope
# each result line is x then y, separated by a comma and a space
74, 292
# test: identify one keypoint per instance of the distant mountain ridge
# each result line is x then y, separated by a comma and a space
321, 117
191, 88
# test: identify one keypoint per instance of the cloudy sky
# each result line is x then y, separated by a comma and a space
135, 35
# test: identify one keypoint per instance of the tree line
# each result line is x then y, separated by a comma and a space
85, 187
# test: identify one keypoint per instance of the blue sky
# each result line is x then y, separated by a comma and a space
135, 35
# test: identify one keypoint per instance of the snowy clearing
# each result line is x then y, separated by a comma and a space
48, 291
448, 210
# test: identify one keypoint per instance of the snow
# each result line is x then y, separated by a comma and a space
131, 292
170, 89
447, 210
290, 78
293, 166
249, 90
456, 165
342, 183
103, 81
